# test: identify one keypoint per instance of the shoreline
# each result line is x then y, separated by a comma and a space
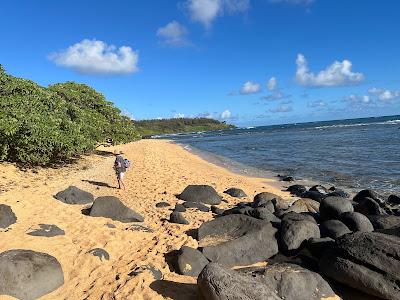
160, 170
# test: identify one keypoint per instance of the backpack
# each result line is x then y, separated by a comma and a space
127, 163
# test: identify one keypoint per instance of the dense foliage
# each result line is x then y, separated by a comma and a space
178, 125
47, 125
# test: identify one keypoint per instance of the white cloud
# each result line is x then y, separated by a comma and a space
272, 83
226, 114
359, 102
179, 115
281, 109
384, 95
205, 11
317, 104
337, 74
96, 57
250, 87
173, 34
277, 95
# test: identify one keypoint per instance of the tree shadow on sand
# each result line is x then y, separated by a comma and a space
175, 290
99, 183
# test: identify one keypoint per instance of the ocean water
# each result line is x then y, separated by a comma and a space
351, 154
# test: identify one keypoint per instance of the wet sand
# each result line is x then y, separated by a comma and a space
159, 171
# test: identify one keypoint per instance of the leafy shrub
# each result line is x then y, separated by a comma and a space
47, 125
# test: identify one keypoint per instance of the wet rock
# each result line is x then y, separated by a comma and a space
100, 253
74, 195
314, 195
237, 240
199, 206
338, 193
333, 229
294, 233
178, 218
47, 230
28, 275
356, 221
162, 204
332, 207
369, 194
394, 199
278, 281
180, 208
200, 193
384, 221
367, 261
191, 261
235, 192
7, 216
297, 189
111, 207
319, 188
368, 206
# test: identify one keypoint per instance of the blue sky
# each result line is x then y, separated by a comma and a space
249, 62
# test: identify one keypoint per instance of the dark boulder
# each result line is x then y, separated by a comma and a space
318, 246
391, 231
369, 194
368, 206
332, 207
237, 240
111, 207
297, 189
356, 221
267, 200
314, 195
47, 230
7, 216
216, 210
264, 213
199, 206
200, 193
338, 193
235, 192
180, 208
293, 216
191, 261
319, 188
333, 229
178, 218
238, 210
394, 199
384, 221
28, 275
294, 233
304, 205
74, 195
367, 261
100, 253
278, 281
162, 204
287, 178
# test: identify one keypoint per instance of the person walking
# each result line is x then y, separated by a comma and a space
120, 168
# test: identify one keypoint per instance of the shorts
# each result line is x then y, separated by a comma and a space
120, 175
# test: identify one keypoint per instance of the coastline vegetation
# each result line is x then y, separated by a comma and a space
179, 125
41, 126
50, 125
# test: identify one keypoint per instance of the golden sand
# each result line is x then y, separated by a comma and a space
159, 170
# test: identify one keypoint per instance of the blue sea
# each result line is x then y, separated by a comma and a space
351, 154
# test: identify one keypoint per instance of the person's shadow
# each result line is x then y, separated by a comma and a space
99, 183
175, 290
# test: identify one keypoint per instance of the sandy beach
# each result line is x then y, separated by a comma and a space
160, 170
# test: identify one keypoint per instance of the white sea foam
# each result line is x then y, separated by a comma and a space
392, 122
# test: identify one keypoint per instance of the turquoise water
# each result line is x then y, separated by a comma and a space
351, 154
